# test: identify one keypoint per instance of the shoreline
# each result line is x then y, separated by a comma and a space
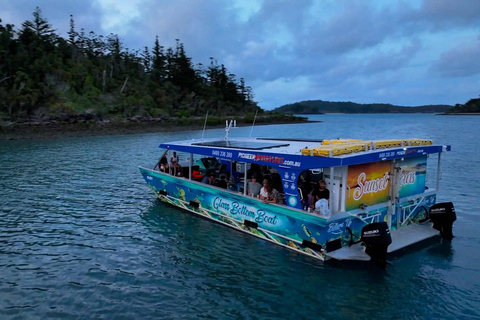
51, 131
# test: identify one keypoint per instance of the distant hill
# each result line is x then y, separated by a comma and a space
472, 106
319, 106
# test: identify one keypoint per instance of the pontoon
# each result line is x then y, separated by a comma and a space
382, 192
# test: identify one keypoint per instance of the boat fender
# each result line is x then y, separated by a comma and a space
443, 215
376, 237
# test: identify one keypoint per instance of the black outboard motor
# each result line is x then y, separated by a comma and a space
443, 215
377, 238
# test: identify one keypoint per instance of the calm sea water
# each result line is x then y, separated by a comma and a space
81, 237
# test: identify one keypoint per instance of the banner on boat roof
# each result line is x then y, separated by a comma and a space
368, 184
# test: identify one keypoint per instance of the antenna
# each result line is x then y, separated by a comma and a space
228, 126
253, 123
205, 124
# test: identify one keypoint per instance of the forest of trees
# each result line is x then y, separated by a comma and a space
43, 74
472, 106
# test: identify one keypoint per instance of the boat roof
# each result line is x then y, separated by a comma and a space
306, 154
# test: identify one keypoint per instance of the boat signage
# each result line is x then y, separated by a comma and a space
368, 184
268, 159
399, 153
234, 208
413, 173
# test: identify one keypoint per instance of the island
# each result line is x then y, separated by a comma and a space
319, 107
93, 83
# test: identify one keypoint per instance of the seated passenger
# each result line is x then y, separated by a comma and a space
222, 182
321, 191
177, 169
321, 206
254, 187
209, 179
164, 163
268, 194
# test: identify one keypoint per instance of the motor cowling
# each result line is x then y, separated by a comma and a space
376, 237
443, 215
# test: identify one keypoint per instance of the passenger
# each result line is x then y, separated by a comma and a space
164, 163
254, 187
321, 191
268, 194
177, 168
321, 206
209, 179
222, 182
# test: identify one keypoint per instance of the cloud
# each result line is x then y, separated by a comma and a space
117, 16
446, 14
459, 62
399, 52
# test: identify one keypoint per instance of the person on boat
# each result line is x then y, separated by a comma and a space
221, 182
164, 163
177, 169
321, 206
268, 194
320, 191
254, 187
209, 179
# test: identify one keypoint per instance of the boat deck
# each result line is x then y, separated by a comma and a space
401, 238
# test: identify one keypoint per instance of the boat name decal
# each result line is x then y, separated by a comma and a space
271, 159
248, 156
370, 186
234, 208
407, 177
337, 228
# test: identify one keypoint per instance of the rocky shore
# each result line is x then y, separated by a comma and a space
89, 124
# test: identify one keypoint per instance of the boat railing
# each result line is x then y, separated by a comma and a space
367, 219
407, 212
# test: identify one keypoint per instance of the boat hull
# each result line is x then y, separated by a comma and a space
294, 229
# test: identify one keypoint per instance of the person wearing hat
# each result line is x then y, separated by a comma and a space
268, 194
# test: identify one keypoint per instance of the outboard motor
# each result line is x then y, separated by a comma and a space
376, 237
443, 215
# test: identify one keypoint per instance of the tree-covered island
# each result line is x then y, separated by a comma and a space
472, 106
91, 79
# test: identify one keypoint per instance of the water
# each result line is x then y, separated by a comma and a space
81, 236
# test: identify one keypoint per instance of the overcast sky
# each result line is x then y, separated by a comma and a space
409, 53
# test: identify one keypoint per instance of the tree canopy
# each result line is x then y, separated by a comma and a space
42, 73
319, 106
472, 106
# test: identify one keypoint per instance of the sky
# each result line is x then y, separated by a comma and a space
402, 52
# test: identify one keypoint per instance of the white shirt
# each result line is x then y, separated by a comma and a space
321, 206
263, 192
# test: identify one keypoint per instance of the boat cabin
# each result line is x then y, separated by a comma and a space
366, 179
